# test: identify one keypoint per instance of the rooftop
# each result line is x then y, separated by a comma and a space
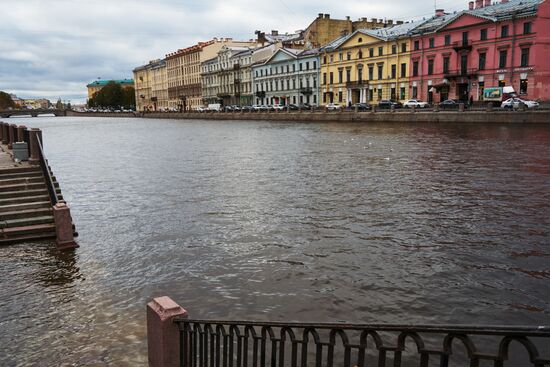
102, 83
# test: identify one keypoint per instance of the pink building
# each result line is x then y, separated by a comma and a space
456, 56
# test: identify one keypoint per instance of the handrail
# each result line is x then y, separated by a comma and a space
46, 171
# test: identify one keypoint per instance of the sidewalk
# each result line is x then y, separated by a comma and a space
6, 160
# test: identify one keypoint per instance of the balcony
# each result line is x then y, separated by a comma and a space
306, 91
462, 45
468, 73
357, 84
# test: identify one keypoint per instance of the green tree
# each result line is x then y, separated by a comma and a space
6, 101
129, 97
59, 104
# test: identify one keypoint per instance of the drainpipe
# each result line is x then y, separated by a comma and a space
513, 49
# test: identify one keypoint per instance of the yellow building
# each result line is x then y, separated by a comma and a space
151, 86
98, 85
367, 66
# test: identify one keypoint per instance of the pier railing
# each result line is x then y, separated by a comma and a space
292, 344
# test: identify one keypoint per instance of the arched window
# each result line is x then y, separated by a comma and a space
360, 54
360, 40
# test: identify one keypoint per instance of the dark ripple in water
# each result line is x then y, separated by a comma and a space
313, 222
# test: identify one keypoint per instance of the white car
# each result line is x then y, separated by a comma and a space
201, 109
278, 107
416, 103
516, 102
333, 107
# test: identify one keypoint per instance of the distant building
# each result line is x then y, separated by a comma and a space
151, 85
184, 71
290, 76
98, 85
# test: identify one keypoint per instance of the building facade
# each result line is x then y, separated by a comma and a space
290, 76
98, 85
151, 86
456, 56
184, 71
367, 66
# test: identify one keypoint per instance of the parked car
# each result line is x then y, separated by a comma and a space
388, 103
293, 107
279, 107
448, 104
333, 107
214, 107
516, 102
416, 103
236, 108
247, 108
201, 109
361, 107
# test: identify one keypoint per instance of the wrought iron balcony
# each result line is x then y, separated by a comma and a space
462, 45
461, 73
357, 84
306, 91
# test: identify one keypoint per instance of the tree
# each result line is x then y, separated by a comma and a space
6, 101
113, 96
59, 104
129, 97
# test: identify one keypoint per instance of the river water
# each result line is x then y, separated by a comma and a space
407, 223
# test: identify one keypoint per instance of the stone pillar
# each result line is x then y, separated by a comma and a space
461, 107
392, 108
490, 107
63, 226
163, 335
11, 139
21, 133
1, 130
5, 133
33, 143
436, 107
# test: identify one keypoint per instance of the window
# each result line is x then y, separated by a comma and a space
402, 93
314, 82
403, 70
371, 72
392, 94
324, 78
300, 67
393, 49
403, 47
360, 54
340, 74
527, 28
324, 59
504, 31
314, 65
348, 75
523, 86
371, 94
483, 34
446, 61
447, 39
380, 51
360, 40
293, 67
393, 71
340, 56
524, 57
502, 59
482, 60
415, 68
371, 52
430, 67
340, 99
464, 38
359, 75
331, 78
416, 45
331, 59
380, 71
415, 92
307, 65
431, 42
348, 56
379, 93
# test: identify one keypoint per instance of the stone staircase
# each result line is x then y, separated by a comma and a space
25, 208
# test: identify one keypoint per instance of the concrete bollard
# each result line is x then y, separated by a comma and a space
490, 107
11, 139
163, 335
33, 143
461, 107
63, 227
21, 133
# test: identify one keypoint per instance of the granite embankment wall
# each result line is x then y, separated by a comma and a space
538, 117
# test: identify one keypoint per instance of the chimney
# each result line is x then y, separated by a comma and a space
471, 5
274, 33
373, 20
399, 22
390, 22
487, 2
327, 16
479, 4
347, 17
381, 21
320, 16
441, 12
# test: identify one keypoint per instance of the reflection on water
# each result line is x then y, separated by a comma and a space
426, 223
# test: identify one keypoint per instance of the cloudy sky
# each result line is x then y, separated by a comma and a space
53, 48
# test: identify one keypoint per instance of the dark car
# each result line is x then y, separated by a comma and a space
247, 108
388, 103
361, 107
448, 104
293, 107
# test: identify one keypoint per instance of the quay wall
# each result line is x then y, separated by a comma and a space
537, 117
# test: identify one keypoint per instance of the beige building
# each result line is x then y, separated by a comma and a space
151, 85
184, 71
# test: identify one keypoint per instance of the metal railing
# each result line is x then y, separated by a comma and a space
46, 171
243, 343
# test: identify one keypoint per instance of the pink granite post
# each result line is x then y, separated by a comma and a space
163, 336
35, 155
21, 133
1, 130
5, 133
12, 129
63, 227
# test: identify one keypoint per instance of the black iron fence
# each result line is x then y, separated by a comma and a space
242, 344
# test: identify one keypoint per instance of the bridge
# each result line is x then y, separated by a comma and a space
33, 113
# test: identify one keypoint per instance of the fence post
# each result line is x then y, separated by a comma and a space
21, 133
35, 155
11, 138
5, 133
163, 336
1, 130
63, 227
461, 107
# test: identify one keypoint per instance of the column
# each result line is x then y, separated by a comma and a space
33, 143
